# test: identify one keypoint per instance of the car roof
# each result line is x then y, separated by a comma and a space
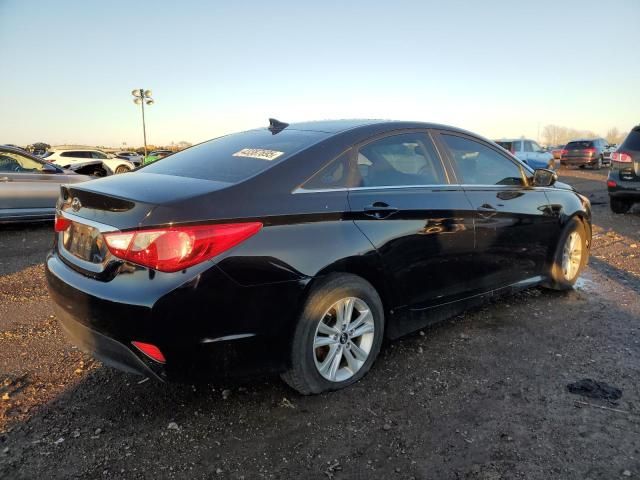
8, 149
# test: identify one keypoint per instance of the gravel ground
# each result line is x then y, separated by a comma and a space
481, 396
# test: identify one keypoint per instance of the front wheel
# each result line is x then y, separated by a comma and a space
570, 258
122, 169
338, 335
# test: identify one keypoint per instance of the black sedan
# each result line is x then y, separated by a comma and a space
297, 248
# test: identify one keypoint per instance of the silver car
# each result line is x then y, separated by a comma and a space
29, 186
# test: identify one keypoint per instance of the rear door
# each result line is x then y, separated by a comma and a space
514, 224
418, 221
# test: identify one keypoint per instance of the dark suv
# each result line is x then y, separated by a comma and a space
624, 178
584, 152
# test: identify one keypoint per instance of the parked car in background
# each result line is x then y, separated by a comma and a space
529, 152
585, 152
556, 151
608, 150
362, 229
155, 156
133, 157
624, 177
29, 186
88, 161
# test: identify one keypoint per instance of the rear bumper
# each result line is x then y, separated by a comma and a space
577, 161
624, 189
207, 327
106, 349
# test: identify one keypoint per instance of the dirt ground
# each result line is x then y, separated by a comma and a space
482, 396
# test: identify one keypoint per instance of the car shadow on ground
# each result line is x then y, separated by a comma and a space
465, 392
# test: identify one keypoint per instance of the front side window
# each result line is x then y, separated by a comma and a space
478, 164
535, 147
407, 159
14, 162
98, 155
528, 147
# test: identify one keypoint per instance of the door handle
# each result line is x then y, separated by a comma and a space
4, 179
486, 211
379, 210
485, 207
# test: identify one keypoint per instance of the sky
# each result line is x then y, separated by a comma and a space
498, 68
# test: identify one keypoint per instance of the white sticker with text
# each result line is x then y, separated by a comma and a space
260, 153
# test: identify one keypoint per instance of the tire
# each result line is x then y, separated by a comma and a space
563, 276
598, 164
308, 361
619, 206
122, 169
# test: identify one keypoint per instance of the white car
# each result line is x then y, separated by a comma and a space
88, 161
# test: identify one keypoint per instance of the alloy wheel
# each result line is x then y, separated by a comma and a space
343, 339
572, 255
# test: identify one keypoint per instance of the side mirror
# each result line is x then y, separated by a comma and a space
543, 177
48, 168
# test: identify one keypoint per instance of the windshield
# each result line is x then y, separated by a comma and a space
234, 158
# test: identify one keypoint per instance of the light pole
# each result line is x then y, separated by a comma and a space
142, 96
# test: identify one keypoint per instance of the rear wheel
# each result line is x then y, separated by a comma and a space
338, 335
570, 256
598, 164
619, 206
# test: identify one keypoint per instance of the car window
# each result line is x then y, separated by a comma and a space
337, 174
480, 165
632, 142
535, 147
406, 159
579, 144
528, 147
98, 155
234, 158
14, 162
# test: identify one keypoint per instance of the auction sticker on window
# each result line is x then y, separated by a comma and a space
260, 153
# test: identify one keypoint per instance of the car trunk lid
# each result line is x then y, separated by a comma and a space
122, 202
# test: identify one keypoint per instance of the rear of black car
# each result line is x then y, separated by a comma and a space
135, 271
580, 153
624, 178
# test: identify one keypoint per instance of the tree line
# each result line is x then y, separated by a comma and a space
557, 135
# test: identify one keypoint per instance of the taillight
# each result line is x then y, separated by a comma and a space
150, 351
175, 248
611, 183
621, 157
563, 152
61, 224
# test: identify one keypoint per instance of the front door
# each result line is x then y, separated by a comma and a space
513, 221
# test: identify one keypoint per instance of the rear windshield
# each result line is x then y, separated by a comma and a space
579, 144
235, 157
632, 142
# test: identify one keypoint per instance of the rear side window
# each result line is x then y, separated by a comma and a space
236, 157
407, 159
481, 165
632, 142
579, 144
